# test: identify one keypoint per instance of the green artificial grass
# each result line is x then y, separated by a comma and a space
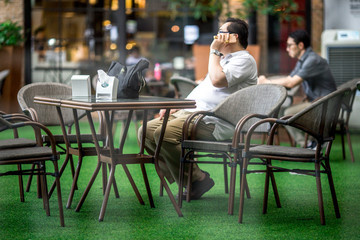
207, 218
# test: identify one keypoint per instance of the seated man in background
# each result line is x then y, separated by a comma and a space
230, 68
311, 70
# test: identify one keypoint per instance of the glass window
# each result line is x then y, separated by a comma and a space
79, 37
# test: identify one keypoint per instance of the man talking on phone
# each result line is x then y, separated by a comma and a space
230, 68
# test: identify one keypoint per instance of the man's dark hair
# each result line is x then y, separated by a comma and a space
241, 28
301, 36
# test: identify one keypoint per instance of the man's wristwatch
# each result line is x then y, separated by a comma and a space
216, 52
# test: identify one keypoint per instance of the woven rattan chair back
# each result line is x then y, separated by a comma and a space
319, 119
183, 86
47, 115
260, 99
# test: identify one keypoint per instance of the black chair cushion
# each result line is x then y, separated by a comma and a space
16, 143
24, 153
276, 150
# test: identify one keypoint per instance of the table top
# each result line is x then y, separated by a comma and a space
98, 104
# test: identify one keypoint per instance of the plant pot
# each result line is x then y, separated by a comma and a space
11, 57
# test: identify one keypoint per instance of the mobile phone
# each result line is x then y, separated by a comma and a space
232, 38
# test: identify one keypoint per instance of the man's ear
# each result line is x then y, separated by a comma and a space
301, 45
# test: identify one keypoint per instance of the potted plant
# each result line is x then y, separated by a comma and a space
10, 34
11, 58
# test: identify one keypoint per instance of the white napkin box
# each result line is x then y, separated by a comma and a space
81, 86
106, 87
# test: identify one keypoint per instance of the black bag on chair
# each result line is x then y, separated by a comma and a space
131, 78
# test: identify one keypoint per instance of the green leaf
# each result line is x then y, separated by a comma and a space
10, 34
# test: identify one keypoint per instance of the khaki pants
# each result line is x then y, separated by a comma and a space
169, 159
297, 135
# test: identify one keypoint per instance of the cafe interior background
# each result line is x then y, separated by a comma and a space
67, 37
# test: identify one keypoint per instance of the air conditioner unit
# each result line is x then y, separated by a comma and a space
341, 48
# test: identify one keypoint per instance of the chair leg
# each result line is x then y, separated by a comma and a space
44, 192
29, 179
38, 182
63, 166
333, 193
266, 190
188, 188
349, 143
181, 181
21, 184
232, 189
58, 190
319, 192
274, 186
242, 190
226, 175
147, 185
276, 193
342, 130
161, 191
247, 190
88, 187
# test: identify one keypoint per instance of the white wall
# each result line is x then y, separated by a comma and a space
345, 14
342, 14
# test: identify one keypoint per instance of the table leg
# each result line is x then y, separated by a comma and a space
74, 183
157, 168
132, 182
147, 185
97, 169
68, 155
116, 191
88, 187
78, 167
121, 146
107, 192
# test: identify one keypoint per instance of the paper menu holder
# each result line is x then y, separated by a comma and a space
80, 85
106, 87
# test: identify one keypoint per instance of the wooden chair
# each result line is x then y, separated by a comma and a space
287, 103
48, 115
239, 109
22, 151
318, 120
344, 117
183, 86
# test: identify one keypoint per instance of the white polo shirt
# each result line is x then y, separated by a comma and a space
241, 71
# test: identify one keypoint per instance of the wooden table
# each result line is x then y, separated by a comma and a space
110, 154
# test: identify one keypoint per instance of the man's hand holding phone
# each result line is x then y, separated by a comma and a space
226, 37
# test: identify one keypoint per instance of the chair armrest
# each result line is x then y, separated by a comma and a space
31, 113
252, 129
200, 115
19, 116
240, 125
35, 125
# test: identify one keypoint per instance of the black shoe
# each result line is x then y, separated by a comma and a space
199, 188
